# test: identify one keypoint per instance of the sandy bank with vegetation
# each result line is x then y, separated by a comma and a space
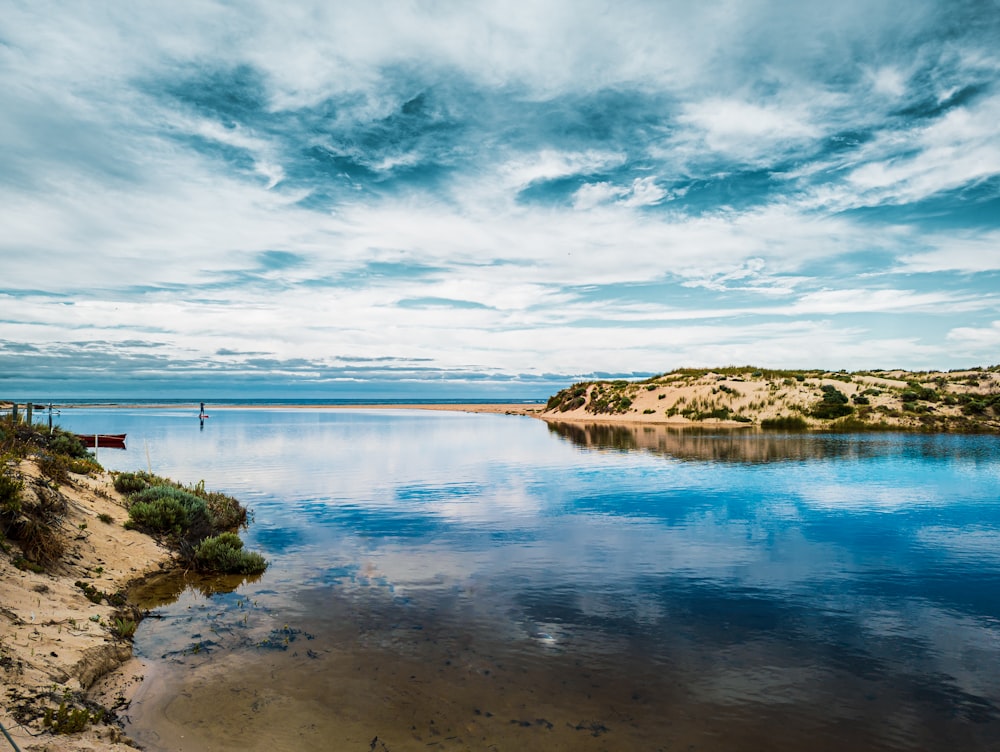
73, 539
954, 401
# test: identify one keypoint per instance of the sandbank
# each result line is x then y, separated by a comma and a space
53, 638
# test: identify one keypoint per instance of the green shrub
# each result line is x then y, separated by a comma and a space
833, 395
833, 405
67, 444
54, 466
224, 554
827, 410
224, 512
130, 483
10, 493
917, 392
169, 510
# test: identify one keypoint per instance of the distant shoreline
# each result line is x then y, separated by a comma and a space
522, 407
744, 397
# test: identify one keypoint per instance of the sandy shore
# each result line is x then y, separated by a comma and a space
53, 639
513, 408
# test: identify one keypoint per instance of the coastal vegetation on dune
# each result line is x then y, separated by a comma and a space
189, 519
966, 400
57, 505
200, 524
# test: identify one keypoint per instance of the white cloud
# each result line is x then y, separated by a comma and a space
549, 164
827, 302
888, 80
960, 149
957, 251
983, 339
642, 192
746, 130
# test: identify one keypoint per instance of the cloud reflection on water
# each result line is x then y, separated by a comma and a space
760, 570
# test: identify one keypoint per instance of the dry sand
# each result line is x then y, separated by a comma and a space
53, 638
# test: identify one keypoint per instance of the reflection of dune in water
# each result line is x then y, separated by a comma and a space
718, 445
164, 589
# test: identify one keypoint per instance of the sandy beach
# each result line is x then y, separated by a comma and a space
53, 638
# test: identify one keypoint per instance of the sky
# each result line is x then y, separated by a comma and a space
491, 199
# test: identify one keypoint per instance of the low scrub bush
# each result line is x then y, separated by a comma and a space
10, 493
130, 483
65, 443
224, 512
833, 405
168, 510
54, 466
917, 392
224, 554
34, 526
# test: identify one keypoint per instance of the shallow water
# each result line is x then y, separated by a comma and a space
453, 581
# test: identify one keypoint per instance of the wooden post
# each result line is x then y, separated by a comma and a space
28, 410
13, 413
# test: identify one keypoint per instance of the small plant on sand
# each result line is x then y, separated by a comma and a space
123, 628
28, 566
93, 594
68, 719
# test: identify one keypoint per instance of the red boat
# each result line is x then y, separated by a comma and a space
106, 440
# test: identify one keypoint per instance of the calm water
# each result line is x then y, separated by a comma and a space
451, 581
